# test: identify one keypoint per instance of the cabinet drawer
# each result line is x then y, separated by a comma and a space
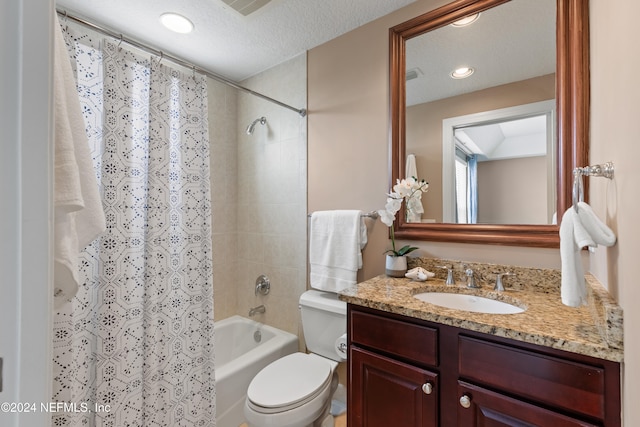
403, 339
488, 408
552, 381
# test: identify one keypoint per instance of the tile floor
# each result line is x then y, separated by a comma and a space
340, 421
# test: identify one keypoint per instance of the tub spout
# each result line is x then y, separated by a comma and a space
257, 310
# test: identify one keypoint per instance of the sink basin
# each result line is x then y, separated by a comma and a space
468, 303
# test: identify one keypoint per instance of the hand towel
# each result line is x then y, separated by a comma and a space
410, 169
414, 204
577, 230
336, 239
78, 214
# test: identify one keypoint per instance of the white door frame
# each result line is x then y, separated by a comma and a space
449, 125
25, 226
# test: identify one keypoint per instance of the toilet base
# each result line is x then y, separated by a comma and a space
323, 417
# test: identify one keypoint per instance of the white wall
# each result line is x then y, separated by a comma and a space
25, 183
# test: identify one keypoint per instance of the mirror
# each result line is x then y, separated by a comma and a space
497, 166
564, 84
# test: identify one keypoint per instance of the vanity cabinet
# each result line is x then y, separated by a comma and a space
409, 372
392, 385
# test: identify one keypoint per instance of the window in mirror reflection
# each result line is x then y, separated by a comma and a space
497, 163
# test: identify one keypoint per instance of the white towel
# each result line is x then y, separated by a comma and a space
410, 169
336, 239
414, 204
78, 214
577, 230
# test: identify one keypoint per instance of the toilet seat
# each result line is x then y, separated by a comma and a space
288, 383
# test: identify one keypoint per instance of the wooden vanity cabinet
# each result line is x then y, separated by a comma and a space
390, 383
409, 372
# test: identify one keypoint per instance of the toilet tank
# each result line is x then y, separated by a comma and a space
324, 320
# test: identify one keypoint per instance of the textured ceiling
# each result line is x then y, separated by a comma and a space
226, 42
512, 42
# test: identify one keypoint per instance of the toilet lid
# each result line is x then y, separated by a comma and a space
289, 382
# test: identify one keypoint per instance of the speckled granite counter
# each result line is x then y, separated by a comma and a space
593, 330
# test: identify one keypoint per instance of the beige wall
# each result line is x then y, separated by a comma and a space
513, 191
615, 111
224, 196
349, 154
424, 128
259, 195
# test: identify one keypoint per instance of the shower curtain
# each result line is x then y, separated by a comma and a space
135, 346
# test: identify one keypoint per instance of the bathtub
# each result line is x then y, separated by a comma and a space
239, 357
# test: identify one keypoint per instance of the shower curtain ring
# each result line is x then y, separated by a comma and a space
120, 42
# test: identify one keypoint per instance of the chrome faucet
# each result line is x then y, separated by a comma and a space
471, 278
257, 310
499, 287
450, 280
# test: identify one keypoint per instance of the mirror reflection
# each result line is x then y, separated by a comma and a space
485, 143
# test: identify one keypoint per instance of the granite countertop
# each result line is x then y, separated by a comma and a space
593, 330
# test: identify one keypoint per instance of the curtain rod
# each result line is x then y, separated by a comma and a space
118, 36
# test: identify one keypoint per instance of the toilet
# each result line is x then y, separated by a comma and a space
296, 390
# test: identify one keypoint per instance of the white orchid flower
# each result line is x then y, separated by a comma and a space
386, 217
393, 204
405, 187
409, 189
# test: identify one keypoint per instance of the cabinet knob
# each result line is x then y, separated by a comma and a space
465, 401
427, 388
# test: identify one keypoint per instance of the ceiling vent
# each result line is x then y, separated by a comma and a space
246, 7
413, 73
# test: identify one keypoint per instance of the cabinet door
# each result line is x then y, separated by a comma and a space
384, 392
489, 409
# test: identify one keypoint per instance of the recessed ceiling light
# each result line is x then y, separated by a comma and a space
467, 20
462, 72
176, 23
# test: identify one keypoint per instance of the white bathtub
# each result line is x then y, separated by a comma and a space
238, 358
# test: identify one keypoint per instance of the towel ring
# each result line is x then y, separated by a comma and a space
605, 170
578, 188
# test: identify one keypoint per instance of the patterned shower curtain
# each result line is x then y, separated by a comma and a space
135, 346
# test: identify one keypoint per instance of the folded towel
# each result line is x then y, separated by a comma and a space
336, 239
78, 214
577, 230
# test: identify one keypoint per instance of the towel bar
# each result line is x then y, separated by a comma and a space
372, 215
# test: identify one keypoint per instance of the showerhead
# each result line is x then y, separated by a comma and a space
262, 120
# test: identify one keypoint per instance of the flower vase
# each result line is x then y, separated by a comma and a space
395, 266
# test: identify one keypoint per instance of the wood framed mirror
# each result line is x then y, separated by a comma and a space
571, 126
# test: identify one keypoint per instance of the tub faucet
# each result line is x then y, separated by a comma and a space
257, 310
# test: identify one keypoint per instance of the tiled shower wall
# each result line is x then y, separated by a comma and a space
259, 186
223, 102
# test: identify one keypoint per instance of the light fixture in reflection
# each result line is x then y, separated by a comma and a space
467, 20
176, 23
462, 72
